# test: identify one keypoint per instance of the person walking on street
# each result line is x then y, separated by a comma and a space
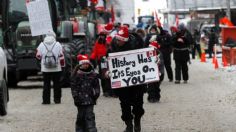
131, 98
164, 39
52, 59
212, 42
196, 37
181, 56
85, 91
153, 89
98, 57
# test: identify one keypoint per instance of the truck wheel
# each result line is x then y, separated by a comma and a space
12, 79
78, 46
3, 98
66, 71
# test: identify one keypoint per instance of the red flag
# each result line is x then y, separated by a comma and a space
112, 14
177, 20
157, 19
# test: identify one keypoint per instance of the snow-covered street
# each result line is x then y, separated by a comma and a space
206, 104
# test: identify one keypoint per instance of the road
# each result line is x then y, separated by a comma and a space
206, 104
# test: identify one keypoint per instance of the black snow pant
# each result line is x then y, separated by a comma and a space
198, 48
181, 67
154, 89
210, 50
85, 119
131, 102
47, 78
167, 63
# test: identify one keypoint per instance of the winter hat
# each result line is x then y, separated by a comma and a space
154, 26
174, 29
108, 28
94, 1
51, 33
83, 59
123, 34
155, 44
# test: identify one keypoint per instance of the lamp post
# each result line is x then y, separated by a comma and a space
228, 9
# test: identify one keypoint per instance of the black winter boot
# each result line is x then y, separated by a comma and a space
129, 126
137, 124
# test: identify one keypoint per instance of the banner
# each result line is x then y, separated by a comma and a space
39, 17
133, 67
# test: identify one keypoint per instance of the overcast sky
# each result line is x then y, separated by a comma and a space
148, 6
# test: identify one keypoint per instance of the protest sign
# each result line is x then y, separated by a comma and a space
133, 67
39, 17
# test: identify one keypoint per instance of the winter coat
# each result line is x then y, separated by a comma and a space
181, 49
164, 39
51, 44
99, 51
85, 87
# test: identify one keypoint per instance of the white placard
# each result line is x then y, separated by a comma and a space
39, 17
133, 67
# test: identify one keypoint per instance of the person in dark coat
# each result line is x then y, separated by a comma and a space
196, 46
153, 89
212, 42
131, 98
85, 91
164, 39
181, 56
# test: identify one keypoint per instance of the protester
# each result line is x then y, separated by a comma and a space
98, 57
85, 91
165, 41
196, 37
52, 59
181, 56
131, 98
212, 41
154, 88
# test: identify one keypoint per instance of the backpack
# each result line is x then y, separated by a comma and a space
50, 60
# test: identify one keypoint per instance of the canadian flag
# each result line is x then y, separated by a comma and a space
151, 53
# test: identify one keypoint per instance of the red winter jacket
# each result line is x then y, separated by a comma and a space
99, 50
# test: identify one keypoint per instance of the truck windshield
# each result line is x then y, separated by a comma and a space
18, 6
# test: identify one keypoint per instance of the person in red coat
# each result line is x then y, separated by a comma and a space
98, 56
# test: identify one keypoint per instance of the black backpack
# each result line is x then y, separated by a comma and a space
50, 60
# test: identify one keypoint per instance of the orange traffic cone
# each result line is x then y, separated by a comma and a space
203, 57
224, 61
213, 59
216, 64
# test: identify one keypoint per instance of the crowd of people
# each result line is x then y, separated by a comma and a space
85, 84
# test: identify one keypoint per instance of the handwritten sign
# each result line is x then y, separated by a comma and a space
133, 67
39, 17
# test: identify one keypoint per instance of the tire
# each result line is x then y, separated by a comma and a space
3, 98
69, 64
12, 79
78, 46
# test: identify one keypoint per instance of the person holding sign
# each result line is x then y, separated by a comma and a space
131, 98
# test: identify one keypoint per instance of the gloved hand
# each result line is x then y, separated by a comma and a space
108, 74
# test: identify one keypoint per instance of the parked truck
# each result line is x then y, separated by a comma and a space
75, 27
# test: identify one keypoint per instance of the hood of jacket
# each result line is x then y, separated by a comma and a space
49, 40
